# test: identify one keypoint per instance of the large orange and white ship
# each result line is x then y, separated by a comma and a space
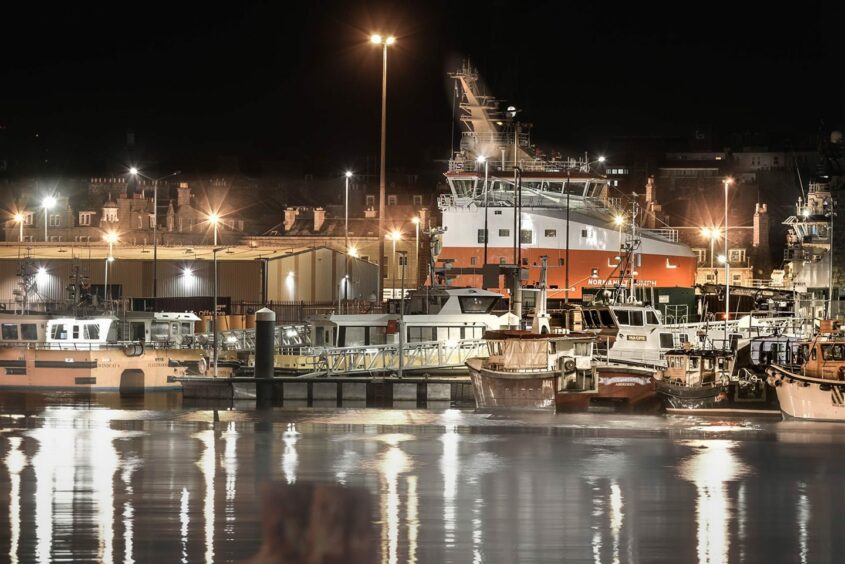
565, 210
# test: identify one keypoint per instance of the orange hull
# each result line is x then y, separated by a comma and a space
108, 369
625, 388
654, 270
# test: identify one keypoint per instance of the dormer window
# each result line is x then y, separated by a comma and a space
110, 215
28, 218
391, 200
85, 218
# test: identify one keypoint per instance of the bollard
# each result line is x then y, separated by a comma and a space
265, 326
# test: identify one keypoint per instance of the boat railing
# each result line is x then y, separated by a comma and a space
416, 356
114, 345
666, 233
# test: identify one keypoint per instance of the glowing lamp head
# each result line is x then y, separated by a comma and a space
480, 159
42, 271
722, 259
705, 232
415, 220
729, 180
618, 219
110, 237
19, 218
49, 202
601, 159
213, 218
395, 235
110, 258
390, 40
187, 272
348, 174
352, 252
805, 213
133, 171
375, 39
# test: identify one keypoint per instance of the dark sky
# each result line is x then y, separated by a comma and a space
299, 82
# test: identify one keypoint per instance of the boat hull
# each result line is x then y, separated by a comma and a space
621, 388
505, 390
128, 370
803, 397
719, 398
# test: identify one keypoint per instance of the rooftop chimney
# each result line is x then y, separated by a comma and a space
290, 217
319, 218
761, 226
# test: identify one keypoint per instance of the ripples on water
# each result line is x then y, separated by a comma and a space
106, 480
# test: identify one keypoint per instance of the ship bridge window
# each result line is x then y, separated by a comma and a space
10, 331
574, 188
75, 331
637, 318
29, 332
833, 352
58, 332
463, 188
553, 187
606, 319
622, 317
477, 304
595, 318
187, 328
160, 331
92, 331
666, 341
693, 362
651, 318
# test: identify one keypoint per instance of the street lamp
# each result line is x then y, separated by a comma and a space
19, 219
47, 203
347, 176
619, 221
416, 221
110, 238
394, 236
377, 39
727, 181
135, 172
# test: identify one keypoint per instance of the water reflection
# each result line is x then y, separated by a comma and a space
129, 468
710, 468
15, 463
230, 466
803, 520
184, 522
449, 467
289, 456
392, 463
207, 466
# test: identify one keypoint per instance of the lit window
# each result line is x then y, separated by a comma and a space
85, 218
417, 200
371, 201
55, 220
391, 200
504, 232
551, 232
473, 260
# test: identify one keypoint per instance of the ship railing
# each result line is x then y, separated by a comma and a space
417, 356
113, 345
525, 165
666, 233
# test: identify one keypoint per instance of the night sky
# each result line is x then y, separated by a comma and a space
277, 81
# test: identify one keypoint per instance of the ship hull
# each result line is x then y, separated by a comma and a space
621, 388
717, 400
802, 397
132, 369
507, 390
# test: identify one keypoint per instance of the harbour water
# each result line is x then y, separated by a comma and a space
153, 479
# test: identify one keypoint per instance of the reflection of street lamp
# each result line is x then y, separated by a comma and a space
377, 39
19, 219
47, 203
394, 236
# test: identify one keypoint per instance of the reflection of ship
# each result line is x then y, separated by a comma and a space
551, 194
813, 385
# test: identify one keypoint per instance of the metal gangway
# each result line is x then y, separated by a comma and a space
385, 359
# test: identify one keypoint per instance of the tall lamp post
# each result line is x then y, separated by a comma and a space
377, 39
135, 172
727, 181
483, 159
416, 221
712, 233
347, 176
214, 219
47, 203
394, 235
111, 239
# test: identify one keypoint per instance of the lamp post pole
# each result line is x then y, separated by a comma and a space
417, 250
384, 42
47, 204
214, 310
727, 181
483, 159
348, 175
403, 255
393, 262
566, 256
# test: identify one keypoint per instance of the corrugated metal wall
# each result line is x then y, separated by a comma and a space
241, 280
316, 276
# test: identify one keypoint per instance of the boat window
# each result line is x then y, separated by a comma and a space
420, 334
552, 347
29, 332
582, 349
595, 315
813, 354
651, 318
448, 333
159, 331
833, 352
59, 332
606, 319
378, 336
683, 338
92, 331
75, 331
477, 304
553, 187
574, 188
463, 188
10, 331
187, 328
622, 316
636, 317
352, 336
474, 332
693, 362
667, 341
587, 318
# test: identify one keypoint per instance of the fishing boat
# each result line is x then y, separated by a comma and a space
813, 385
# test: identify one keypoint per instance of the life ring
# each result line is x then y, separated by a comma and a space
202, 366
569, 365
721, 397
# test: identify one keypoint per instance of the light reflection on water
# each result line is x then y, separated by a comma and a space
87, 483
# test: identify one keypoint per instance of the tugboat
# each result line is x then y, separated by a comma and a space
813, 386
